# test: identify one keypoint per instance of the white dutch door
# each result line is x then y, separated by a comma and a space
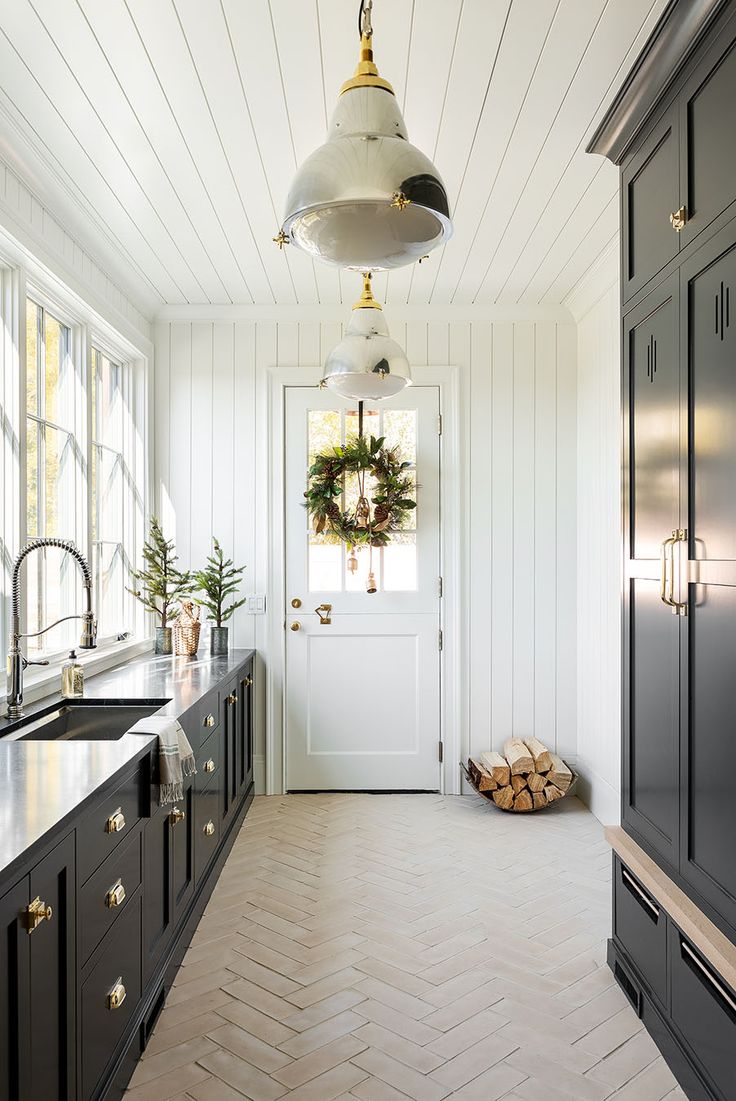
363, 678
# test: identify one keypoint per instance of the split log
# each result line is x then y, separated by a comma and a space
480, 776
539, 800
552, 792
523, 800
504, 797
536, 781
518, 783
518, 756
498, 767
540, 753
559, 774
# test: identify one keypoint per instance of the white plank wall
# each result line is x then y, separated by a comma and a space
518, 422
599, 555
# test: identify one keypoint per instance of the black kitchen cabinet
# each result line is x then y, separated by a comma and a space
38, 969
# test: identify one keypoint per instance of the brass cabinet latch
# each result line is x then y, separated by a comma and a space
209, 720
233, 697
36, 912
176, 815
209, 766
117, 995
116, 822
248, 682
209, 829
115, 896
678, 218
323, 612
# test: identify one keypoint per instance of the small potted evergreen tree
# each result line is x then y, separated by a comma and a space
217, 583
160, 585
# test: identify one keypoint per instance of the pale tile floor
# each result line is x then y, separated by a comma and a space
380, 948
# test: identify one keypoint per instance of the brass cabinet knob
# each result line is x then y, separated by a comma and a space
115, 896
116, 822
209, 829
209, 766
209, 721
296, 626
117, 995
36, 912
233, 697
176, 815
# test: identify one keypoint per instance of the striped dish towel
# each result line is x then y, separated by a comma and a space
175, 756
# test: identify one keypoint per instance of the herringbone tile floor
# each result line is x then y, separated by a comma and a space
380, 948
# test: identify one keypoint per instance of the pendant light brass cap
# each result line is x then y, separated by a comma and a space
366, 300
366, 73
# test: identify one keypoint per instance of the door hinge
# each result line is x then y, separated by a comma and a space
440, 586
439, 424
440, 752
440, 640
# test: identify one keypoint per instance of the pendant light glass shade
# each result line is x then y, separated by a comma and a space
367, 365
367, 199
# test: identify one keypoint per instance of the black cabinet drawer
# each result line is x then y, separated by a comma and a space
209, 761
704, 1011
201, 720
110, 820
640, 925
110, 995
107, 893
207, 816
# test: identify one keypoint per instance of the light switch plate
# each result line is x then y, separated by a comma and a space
257, 605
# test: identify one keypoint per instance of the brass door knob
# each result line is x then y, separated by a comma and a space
116, 822
176, 815
296, 602
209, 766
117, 995
115, 896
296, 626
209, 721
209, 829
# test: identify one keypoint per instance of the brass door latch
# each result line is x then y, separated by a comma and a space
323, 612
36, 912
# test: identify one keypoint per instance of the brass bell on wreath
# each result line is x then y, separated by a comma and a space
352, 562
370, 585
362, 513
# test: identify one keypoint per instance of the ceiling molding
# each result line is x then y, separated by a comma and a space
332, 312
680, 28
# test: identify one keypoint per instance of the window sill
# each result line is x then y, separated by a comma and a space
47, 681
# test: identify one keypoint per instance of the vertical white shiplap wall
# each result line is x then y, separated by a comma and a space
518, 422
599, 555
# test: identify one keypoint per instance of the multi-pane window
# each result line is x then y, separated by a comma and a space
84, 481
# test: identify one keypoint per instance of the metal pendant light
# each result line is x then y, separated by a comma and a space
367, 364
367, 199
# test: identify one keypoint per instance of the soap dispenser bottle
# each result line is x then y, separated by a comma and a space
72, 678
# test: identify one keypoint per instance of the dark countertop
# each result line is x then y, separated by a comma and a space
44, 783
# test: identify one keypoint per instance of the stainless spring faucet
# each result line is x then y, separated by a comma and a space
17, 661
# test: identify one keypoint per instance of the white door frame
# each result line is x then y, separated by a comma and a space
452, 559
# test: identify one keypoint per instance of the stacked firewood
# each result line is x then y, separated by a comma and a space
525, 777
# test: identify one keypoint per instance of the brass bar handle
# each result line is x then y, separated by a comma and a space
686, 950
117, 995
115, 896
663, 579
116, 822
631, 882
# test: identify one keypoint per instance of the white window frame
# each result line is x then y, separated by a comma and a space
23, 277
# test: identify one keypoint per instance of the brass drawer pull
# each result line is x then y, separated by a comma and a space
209, 721
233, 697
115, 896
209, 766
209, 829
176, 815
711, 979
631, 882
116, 822
36, 912
678, 218
117, 995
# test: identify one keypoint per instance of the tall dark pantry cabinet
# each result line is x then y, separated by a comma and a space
672, 131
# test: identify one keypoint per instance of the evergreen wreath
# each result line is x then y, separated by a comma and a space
393, 499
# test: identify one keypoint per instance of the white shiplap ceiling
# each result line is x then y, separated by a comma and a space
165, 133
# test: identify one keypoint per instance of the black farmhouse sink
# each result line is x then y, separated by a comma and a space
85, 721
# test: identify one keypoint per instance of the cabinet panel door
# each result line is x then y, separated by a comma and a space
15, 1006
708, 137
53, 977
230, 747
182, 854
245, 730
650, 193
652, 429
708, 664
157, 908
